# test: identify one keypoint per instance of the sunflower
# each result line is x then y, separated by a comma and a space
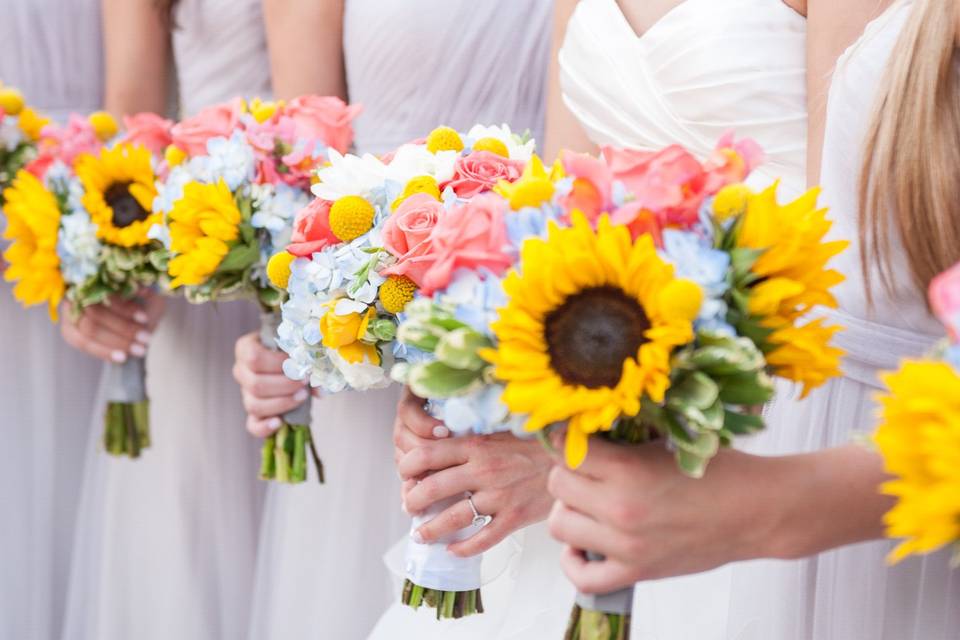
118, 192
792, 279
792, 269
33, 223
589, 327
203, 224
919, 437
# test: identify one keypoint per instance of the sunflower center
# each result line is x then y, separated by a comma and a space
592, 333
126, 209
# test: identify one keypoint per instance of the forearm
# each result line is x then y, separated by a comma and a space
305, 38
136, 57
823, 500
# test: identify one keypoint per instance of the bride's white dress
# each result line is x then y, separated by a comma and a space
683, 85
47, 389
320, 572
166, 544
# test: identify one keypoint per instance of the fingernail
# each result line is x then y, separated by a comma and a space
143, 337
440, 431
118, 356
273, 424
417, 537
138, 350
141, 317
301, 395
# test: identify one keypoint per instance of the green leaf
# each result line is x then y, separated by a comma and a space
271, 297
697, 390
741, 424
459, 348
742, 261
746, 389
437, 380
240, 257
419, 335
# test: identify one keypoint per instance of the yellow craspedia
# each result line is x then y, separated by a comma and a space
104, 125
444, 139
396, 292
351, 217
11, 101
493, 146
419, 184
731, 201
174, 155
32, 123
278, 269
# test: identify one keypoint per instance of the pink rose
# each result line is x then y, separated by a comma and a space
481, 171
311, 229
324, 118
470, 236
218, 121
945, 300
149, 130
64, 143
671, 183
406, 235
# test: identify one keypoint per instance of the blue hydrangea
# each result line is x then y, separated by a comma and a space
78, 247
230, 159
481, 411
475, 297
275, 208
694, 258
529, 222
10, 134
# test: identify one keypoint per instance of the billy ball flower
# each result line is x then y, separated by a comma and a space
396, 292
444, 139
278, 269
351, 217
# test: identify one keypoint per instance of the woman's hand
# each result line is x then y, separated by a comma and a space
631, 504
267, 393
506, 475
116, 331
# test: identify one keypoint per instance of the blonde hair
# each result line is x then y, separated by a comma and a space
911, 169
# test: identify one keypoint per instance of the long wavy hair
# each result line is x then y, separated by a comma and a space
910, 179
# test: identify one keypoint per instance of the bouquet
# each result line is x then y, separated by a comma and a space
919, 437
20, 128
381, 229
639, 296
78, 216
241, 173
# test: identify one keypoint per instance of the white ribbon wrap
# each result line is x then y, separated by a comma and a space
269, 323
126, 382
432, 566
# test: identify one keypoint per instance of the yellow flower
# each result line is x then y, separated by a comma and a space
534, 187
33, 223
32, 123
731, 201
351, 217
444, 139
204, 224
344, 333
104, 125
420, 184
493, 146
174, 155
795, 255
11, 101
118, 192
396, 292
278, 269
803, 354
589, 328
263, 111
919, 437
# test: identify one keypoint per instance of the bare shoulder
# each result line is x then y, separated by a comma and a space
800, 6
